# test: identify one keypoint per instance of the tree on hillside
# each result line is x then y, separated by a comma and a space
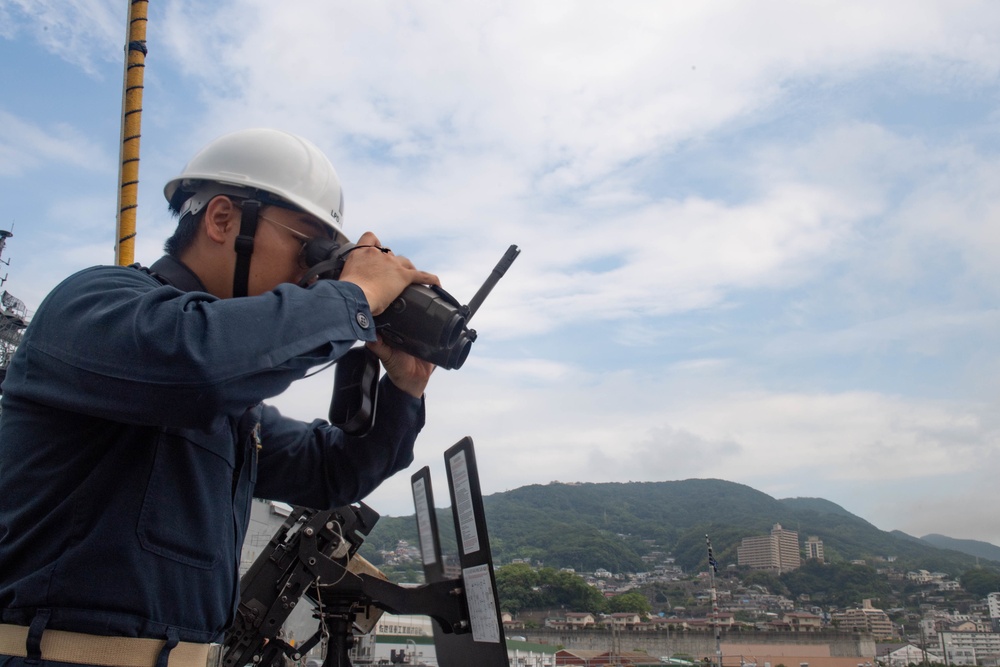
980, 582
569, 591
517, 587
841, 584
521, 587
631, 602
768, 580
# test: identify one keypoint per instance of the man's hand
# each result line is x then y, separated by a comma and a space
406, 371
382, 276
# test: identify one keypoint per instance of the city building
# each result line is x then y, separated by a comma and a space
801, 621
867, 619
969, 648
911, 655
935, 621
971, 625
814, 548
778, 551
571, 621
591, 658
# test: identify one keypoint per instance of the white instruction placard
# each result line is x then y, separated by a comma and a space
463, 503
424, 522
482, 604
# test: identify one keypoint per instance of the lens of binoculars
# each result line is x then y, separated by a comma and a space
424, 314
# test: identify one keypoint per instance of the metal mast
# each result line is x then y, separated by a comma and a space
13, 316
713, 567
128, 173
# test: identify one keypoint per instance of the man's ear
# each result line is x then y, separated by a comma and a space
222, 216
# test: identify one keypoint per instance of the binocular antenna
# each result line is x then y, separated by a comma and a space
498, 271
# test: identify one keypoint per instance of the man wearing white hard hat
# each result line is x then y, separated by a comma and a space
133, 434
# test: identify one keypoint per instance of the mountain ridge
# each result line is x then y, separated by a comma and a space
622, 526
977, 548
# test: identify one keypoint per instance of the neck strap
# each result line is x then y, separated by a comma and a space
244, 246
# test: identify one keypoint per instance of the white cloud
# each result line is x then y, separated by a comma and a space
542, 125
955, 507
561, 97
691, 422
582, 85
959, 208
25, 146
86, 33
920, 332
657, 163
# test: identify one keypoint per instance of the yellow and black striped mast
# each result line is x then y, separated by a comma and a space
128, 173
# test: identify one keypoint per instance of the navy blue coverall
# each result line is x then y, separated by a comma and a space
133, 437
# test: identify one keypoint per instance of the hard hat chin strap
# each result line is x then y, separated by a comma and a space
244, 246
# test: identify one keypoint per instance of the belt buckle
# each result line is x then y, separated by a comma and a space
214, 657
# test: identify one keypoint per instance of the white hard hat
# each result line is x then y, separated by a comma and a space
249, 162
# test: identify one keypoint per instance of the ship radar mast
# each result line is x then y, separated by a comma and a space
13, 316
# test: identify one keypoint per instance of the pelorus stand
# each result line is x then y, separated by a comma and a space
314, 554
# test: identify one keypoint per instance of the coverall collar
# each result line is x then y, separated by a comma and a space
177, 274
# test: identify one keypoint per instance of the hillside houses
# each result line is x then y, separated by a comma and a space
739, 608
571, 621
866, 619
797, 621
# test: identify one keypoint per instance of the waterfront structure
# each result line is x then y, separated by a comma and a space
406, 625
868, 619
594, 658
778, 551
814, 548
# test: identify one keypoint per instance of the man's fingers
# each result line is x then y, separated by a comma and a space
368, 238
425, 278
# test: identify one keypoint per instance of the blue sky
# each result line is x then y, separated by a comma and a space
759, 240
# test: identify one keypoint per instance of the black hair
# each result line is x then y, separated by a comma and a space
187, 226
184, 235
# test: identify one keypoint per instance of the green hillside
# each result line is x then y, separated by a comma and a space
613, 525
971, 547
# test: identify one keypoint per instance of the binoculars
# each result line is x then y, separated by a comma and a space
427, 322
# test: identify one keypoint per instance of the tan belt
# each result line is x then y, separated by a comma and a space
107, 651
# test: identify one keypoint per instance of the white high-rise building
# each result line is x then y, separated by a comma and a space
777, 551
814, 548
970, 648
993, 602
